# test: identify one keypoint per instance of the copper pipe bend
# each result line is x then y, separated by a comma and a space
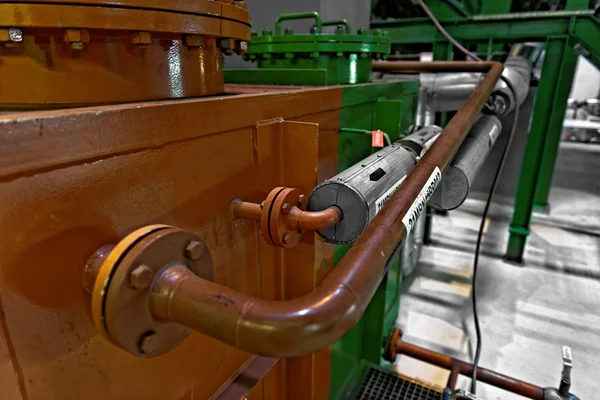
283, 218
303, 325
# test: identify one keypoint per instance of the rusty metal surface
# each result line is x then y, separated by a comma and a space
75, 180
315, 320
98, 52
460, 367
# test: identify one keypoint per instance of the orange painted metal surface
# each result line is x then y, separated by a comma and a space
95, 52
74, 180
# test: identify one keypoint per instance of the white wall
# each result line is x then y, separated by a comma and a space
586, 84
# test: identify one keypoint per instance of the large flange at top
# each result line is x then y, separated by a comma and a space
57, 54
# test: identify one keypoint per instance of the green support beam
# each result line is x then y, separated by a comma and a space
555, 126
581, 26
548, 110
562, 30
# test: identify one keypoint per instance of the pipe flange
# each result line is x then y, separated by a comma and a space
391, 350
275, 217
121, 301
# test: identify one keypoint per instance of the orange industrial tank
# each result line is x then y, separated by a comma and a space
62, 54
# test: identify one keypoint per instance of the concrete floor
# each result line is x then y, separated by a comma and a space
526, 312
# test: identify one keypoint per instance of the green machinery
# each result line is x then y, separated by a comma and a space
344, 58
320, 59
315, 58
489, 26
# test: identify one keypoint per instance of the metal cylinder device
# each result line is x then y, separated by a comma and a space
447, 92
362, 190
458, 178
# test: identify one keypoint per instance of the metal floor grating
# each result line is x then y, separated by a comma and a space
381, 385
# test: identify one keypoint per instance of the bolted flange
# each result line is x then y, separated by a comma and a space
123, 287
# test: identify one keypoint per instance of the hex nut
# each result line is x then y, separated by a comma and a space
141, 38
149, 343
77, 36
227, 45
193, 40
141, 277
286, 208
194, 250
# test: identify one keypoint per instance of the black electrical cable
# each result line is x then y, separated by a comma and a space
499, 169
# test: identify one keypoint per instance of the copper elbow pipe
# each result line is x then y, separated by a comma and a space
303, 325
314, 220
298, 219
457, 367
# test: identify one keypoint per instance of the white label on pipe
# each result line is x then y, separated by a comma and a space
420, 202
382, 201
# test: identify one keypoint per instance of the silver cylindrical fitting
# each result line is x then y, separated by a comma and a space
458, 178
362, 190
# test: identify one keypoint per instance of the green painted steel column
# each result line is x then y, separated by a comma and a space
544, 116
565, 82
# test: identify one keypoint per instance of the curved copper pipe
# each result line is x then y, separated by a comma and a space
314, 220
297, 219
303, 325
460, 367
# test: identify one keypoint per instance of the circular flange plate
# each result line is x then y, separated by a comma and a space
107, 270
128, 318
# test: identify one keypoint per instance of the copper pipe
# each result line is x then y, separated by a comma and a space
303, 325
245, 210
298, 219
314, 220
460, 367
453, 377
416, 67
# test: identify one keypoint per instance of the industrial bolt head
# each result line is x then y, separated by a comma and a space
286, 208
227, 45
77, 36
262, 205
141, 277
194, 250
243, 45
77, 46
301, 200
15, 35
141, 39
149, 343
285, 238
193, 40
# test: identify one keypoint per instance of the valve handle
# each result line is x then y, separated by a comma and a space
304, 15
339, 22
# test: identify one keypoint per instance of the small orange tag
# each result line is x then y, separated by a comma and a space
377, 140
